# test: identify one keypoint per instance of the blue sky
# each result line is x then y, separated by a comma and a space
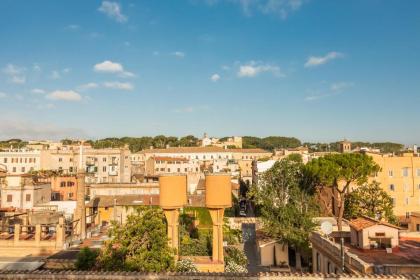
316, 70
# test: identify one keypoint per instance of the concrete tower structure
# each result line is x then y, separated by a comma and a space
173, 196
218, 197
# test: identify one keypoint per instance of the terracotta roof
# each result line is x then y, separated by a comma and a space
170, 159
209, 149
364, 222
249, 151
123, 200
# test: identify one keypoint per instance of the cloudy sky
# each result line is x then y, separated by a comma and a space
316, 70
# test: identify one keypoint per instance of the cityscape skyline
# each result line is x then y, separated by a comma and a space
318, 71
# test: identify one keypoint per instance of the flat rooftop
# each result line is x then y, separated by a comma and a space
407, 253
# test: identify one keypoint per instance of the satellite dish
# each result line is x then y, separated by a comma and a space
326, 227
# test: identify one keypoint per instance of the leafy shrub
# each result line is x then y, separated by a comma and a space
234, 255
186, 265
86, 259
139, 245
235, 268
200, 246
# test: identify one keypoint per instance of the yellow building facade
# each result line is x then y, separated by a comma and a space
400, 178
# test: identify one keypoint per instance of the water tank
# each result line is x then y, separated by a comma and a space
218, 190
173, 191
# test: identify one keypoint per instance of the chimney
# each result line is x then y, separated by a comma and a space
80, 211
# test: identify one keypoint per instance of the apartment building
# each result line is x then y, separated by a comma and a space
101, 165
400, 178
23, 192
161, 165
64, 188
21, 161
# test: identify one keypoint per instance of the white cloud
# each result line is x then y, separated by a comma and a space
12, 69
18, 79
36, 67
127, 74
113, 10
314, 61
72, 27
3, 95
215, 77
55, 75
66, 70
336, 87
15, 73
37, 91
333, 90
253, 69
89, 86
65, 95
191, 109
119, 85
45, 106
179, 54
109, 67
24, 129
280, 8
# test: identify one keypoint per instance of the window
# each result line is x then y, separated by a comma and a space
71, 169
14, 169
70, 195
179, 170
71, 159
62, 184
390, 173
418, 227
9, 198
5, 160
405, 172
392, 187
393, 201
185, 169
418, 186
70, 184
28, 197
407, 201
104, 159
23, 169
169, 170
104, 168
162, 169
380, 234
60, 159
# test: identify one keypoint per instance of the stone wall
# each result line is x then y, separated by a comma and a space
92, 275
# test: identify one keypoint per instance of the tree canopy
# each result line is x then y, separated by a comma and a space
286, 208
139, 245
336, 173
270, 143
370, 200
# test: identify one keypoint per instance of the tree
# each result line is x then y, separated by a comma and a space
336, 173
139, 245
188, 141
286, 208
86, 259
369, 200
